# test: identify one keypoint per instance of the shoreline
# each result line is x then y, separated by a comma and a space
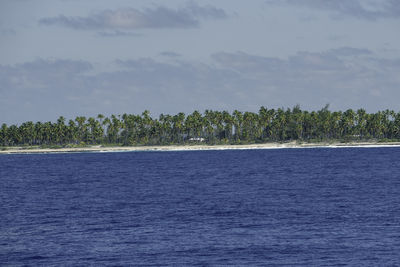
97, 149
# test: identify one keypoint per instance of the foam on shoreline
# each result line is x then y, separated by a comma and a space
100, 149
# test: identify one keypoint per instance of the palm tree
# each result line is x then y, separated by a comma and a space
81, 128
214, 126
347, 123
237, 122
60, 131
95, 132
228, 122
4, 136
72, 133
178, 127
194, 124
361, 116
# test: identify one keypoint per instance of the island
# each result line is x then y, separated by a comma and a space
267, 128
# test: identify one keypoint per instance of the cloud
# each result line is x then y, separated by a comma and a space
36, 76
7, 31
170, 54
118, 33
345, 77
38, 89
349, 51
132, 18
55, 65
362, 9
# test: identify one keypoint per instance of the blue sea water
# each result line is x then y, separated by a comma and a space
283, 207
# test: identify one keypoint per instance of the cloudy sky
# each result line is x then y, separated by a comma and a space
85, 57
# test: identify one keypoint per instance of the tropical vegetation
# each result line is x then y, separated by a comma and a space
210, 127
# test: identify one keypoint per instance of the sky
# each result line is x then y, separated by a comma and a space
85, 57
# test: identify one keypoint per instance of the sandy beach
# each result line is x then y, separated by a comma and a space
26, 150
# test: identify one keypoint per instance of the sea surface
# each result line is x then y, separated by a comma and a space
275, 207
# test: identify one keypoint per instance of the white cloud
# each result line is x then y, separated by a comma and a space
362, 9
132, 18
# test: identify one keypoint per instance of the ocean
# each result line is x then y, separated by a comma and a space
275, 207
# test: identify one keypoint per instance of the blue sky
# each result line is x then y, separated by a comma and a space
81, 57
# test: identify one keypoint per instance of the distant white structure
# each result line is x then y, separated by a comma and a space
197, 139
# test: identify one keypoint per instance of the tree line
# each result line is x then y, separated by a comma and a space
211, 127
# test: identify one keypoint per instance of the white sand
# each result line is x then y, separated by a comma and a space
21, 150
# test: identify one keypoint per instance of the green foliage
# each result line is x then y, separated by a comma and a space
211, 127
